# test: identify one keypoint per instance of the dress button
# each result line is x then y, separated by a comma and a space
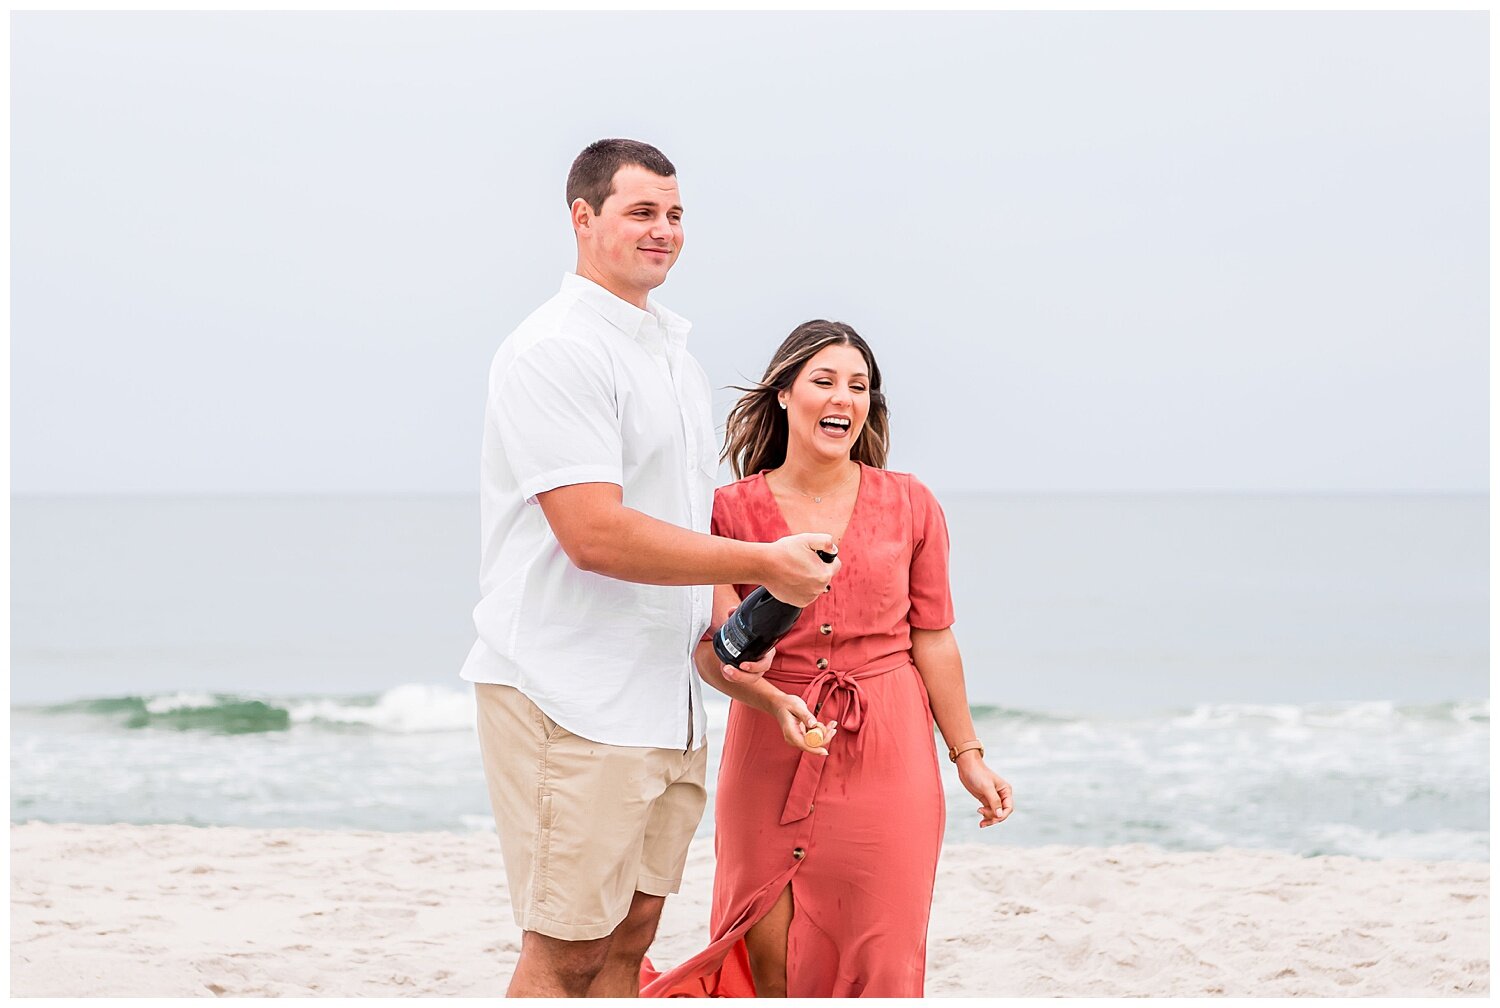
826, 629
799, 853
822, 663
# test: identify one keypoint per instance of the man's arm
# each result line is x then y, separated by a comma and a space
601, 535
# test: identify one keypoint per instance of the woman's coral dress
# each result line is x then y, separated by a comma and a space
855, 834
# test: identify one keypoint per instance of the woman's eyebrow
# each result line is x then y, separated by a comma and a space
857, 374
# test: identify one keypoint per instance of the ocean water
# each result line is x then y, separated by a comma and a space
1306, 674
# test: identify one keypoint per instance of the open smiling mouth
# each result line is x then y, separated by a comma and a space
834, 425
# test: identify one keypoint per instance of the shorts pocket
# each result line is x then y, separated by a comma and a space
540, 878
550, 729
554, 730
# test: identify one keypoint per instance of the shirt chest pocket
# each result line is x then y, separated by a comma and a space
651, 428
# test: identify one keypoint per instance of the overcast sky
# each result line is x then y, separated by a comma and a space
1094, 252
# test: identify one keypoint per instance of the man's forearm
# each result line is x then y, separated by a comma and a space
600, 534
632, 546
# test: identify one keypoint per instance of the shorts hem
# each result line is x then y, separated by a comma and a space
651, 885
565, 931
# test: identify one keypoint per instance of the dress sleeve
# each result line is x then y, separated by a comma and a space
931, 601
721, 523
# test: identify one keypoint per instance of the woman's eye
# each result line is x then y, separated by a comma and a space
858, 388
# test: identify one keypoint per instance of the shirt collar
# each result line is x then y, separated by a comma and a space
623, 315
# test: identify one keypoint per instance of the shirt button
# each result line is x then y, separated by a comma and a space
799, 853
822, 663
826, 629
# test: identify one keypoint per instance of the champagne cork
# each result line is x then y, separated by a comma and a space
814, 737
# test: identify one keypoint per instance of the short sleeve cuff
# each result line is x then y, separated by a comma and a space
569, 476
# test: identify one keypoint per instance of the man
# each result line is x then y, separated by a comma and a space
598, 468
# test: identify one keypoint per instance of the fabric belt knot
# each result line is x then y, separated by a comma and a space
831, 684
838, 693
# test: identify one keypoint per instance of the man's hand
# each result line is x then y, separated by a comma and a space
796, 574
749, 672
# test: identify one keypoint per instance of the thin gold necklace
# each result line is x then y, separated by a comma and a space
826, 493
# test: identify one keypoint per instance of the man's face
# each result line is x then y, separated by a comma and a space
634, 239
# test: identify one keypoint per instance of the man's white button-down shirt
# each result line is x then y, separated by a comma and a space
591, 389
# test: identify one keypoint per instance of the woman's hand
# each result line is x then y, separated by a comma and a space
796, 720
992, 790
749, 671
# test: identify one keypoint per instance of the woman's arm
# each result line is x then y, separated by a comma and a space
750, 687
935, 653
752, 691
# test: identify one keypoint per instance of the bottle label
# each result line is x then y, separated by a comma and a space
733, 636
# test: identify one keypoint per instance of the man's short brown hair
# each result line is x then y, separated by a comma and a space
592, 177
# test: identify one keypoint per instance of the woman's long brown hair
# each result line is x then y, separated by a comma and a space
755, 434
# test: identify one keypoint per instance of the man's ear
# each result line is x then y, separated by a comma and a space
582, 215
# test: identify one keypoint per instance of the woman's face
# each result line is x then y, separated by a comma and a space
827, 403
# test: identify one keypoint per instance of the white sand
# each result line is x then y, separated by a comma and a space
174, 910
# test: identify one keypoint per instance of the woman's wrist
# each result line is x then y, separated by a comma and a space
970, 756
963, 749
775, 700
762, 696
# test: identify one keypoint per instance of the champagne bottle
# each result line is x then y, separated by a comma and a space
756, 625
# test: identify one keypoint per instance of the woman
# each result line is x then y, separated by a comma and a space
827, 852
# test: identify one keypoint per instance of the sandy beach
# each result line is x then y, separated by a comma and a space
183, 911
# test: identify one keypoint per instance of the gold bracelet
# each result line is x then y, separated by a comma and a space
955, 751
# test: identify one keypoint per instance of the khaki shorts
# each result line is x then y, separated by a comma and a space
583, 825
